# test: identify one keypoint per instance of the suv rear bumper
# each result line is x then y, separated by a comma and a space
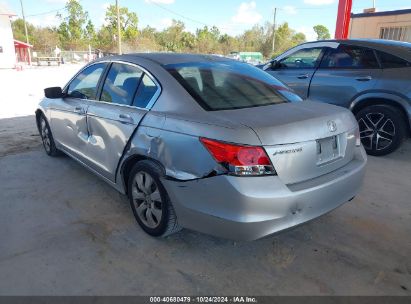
248, 208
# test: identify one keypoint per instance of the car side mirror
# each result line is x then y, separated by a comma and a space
53, 92
275, 64
272, 65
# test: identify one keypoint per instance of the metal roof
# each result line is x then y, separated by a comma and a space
385, 13
4, 10
21, 44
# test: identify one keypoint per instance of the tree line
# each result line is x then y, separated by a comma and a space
76, 32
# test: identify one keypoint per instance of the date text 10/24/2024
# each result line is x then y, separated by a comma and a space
203, 299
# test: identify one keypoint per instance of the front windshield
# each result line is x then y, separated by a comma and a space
230, 85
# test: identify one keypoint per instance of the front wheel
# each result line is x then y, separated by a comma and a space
149, 200
47, 137
382, 129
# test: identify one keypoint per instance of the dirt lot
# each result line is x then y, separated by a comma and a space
65, 232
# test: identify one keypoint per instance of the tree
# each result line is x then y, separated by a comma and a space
147, 40
286, 38
322, 32
71, 30
298, 38
90, 32
45, 40
19, 32
128, 22
174, 38
76, 31
207, 40
228, 44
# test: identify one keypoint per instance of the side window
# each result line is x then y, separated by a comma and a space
350, 57
145, 92
121, 84
302, 59
389, 61
192, 76
84, 86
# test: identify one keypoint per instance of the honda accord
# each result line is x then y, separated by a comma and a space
205, 143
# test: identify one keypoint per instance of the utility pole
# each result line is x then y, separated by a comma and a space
25, 29
118, 28
274, 27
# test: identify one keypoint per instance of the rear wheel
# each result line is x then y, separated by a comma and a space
382, 129
149, 200
47, 137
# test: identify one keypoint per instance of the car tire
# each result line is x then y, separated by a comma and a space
149, 200
382, 129
47, 137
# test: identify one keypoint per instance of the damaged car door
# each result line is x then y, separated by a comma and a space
68, 114
124, 100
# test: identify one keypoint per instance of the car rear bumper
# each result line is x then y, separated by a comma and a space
248, 208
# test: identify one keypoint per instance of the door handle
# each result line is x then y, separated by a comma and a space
363, 78
79, 110
126, 117
302, 76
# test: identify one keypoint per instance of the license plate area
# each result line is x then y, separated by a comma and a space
328, 150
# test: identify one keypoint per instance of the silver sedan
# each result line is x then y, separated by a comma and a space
205, 143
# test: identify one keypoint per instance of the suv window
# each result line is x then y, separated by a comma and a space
350, 57
121, 84
85, 84
305, 58
145, 92
389, 61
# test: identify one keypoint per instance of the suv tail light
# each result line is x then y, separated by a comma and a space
240, 160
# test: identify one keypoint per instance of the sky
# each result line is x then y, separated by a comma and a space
230, 16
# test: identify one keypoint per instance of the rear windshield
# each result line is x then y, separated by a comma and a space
230, 85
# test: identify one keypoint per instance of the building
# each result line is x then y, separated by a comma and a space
393, 25
7, 51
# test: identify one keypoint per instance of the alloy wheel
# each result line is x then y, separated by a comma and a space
45, 135
377, 131
147, 199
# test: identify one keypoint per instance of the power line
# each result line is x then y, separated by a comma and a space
46, 13
190, 19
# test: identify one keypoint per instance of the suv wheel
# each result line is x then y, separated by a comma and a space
149, 200
382, 129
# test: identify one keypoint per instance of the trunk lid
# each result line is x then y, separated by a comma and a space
303, 140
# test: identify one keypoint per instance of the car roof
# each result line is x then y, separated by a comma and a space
178, 58
364, 41
399, 48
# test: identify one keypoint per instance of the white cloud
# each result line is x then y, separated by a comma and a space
247, 14
309, 33
290, 10
48, 20
160, 1
318, 2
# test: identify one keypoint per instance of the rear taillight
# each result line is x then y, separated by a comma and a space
357, 137
240, 160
